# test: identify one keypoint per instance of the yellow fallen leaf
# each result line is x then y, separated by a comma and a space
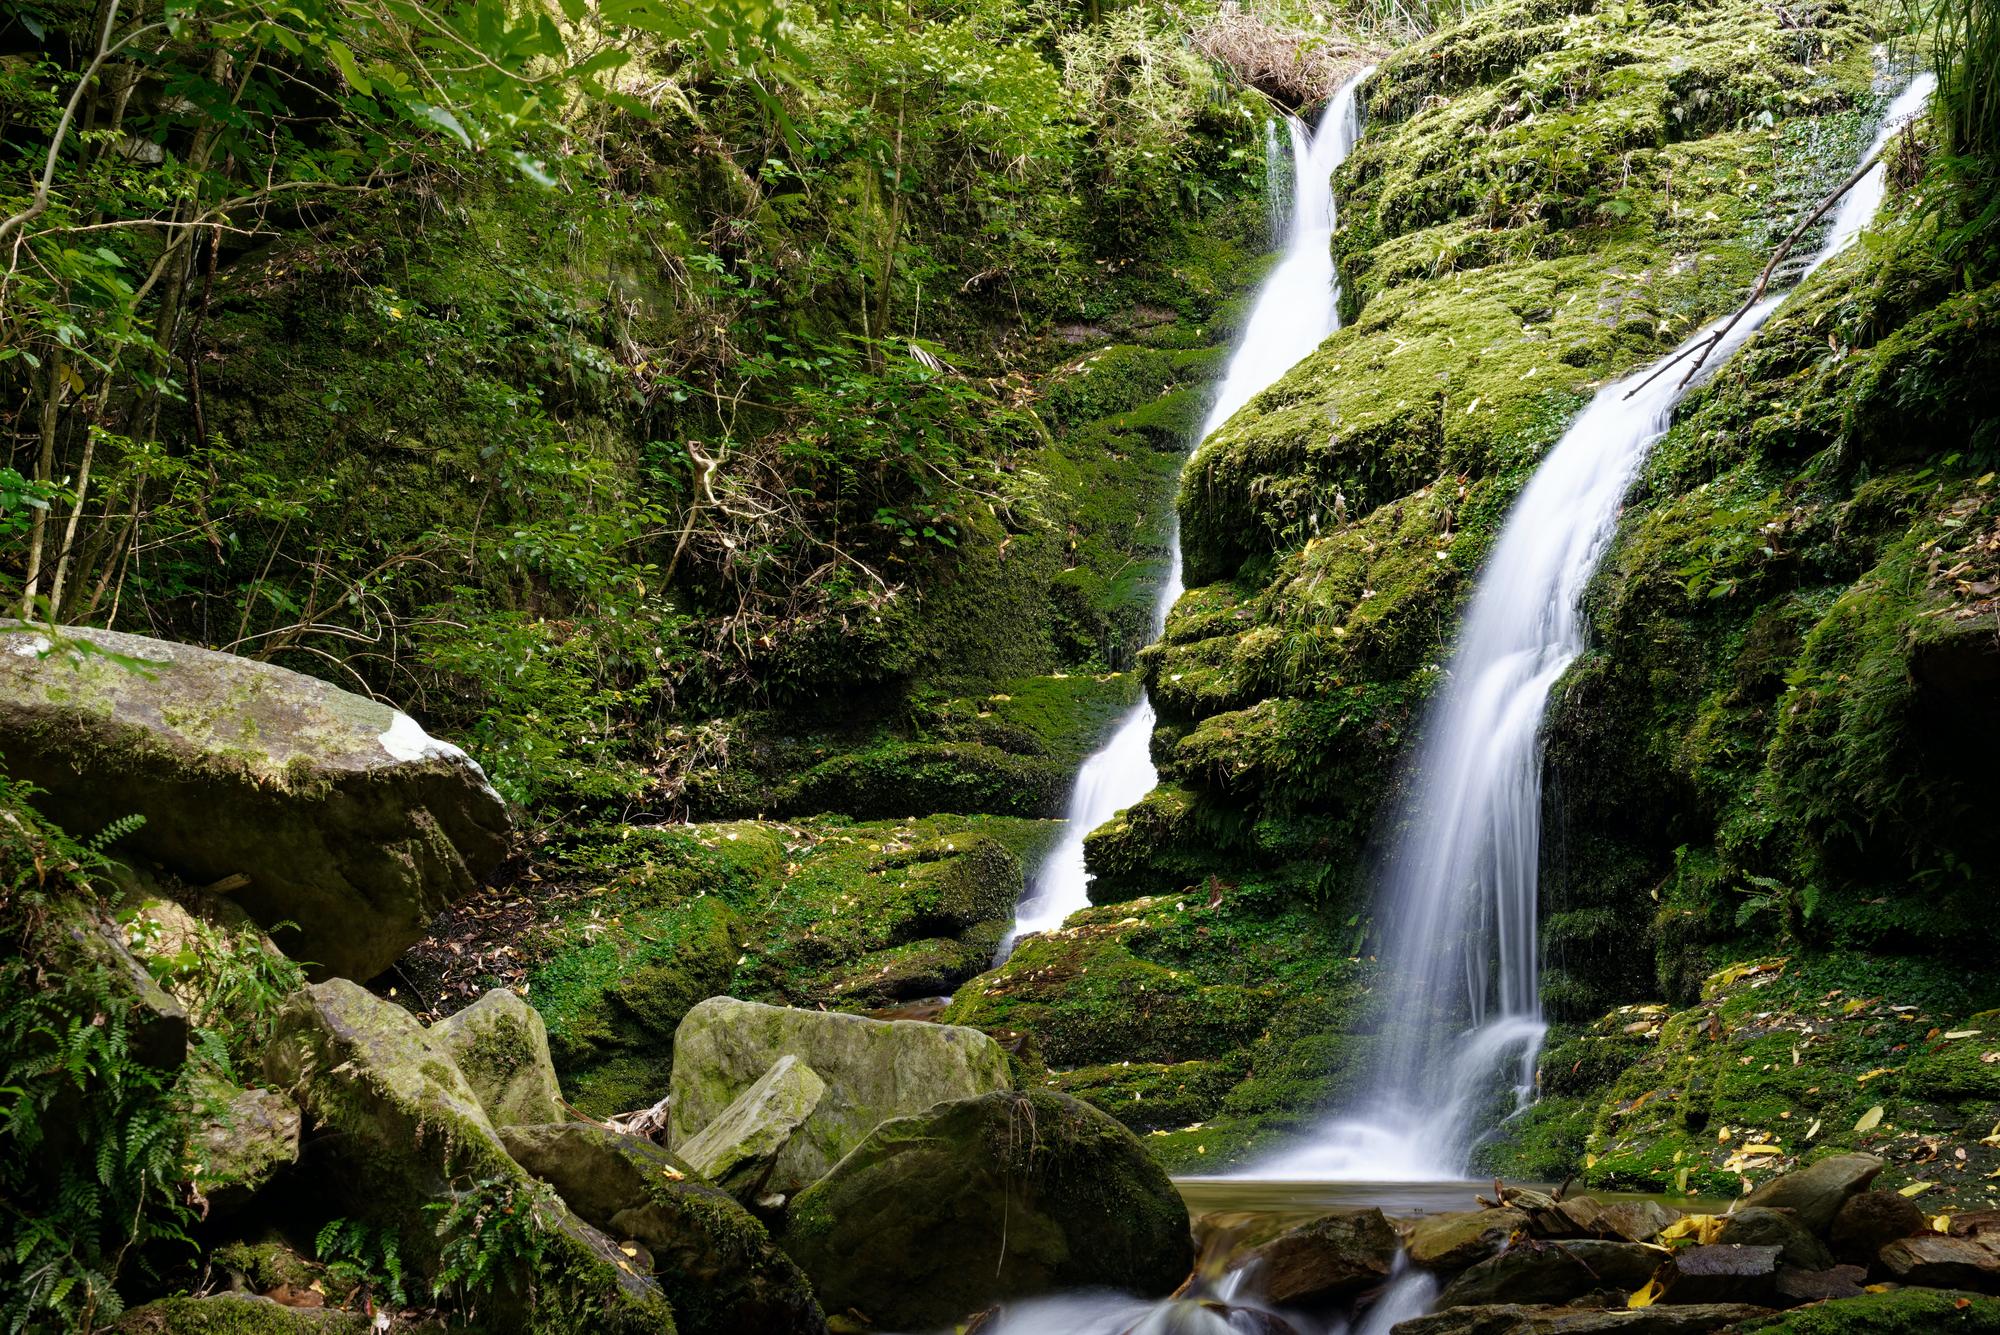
1722, 1136
1701, 1228
1941, 1224
628, 1249
1760, 1149
1878, 1288
1880, 1070
1647, 1296
1915, 1189
1870, 1119
1812, 1130
1963, 1033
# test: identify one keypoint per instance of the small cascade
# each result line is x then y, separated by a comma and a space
1461, 1021
1296, 308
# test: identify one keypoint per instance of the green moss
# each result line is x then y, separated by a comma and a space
1904, 1312
236, 1314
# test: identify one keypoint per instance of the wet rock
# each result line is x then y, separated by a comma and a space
237, 1314
1939, 1262
404, 1130
1870, 1221
1980, 1224
873, 1070
1816, 1192
1526, 1272
737, 1149
1451, 1242
1628, 1221
1796, 1286
1331, 1259
344, 816
1513, 1319
1760, 1226
1720, 1273
501, 1047
1620, 1265
241, 1140
987, 1199
716, 1264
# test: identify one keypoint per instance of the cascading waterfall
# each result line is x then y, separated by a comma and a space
1296, 308
1460, 1003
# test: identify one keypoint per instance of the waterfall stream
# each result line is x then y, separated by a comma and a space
1296, 308
1461, 990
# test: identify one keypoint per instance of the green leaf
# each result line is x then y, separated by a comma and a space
444, 120
349, 70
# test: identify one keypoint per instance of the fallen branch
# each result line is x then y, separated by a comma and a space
1714, 340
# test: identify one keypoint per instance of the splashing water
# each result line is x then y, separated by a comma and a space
1461, 1010
1296, 308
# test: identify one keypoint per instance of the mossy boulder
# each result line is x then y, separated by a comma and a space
501, 1047
237, 1314
873, 1070
938, 1215
716, 1263
399, 1128
737, 1149
240, 1140
347, 819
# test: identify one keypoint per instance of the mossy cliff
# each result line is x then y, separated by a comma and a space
1770, 742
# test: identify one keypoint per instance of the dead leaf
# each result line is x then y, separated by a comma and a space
1869, 1120
1915, 1189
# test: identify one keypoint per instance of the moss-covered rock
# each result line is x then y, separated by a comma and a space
737, 1149
240, 1141
353, 826
714, 1261
237, 1314
938, 1215
873, 1070
501, 1047
1904, 1312
398, 1128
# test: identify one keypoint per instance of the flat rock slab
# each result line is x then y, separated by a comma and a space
1797, 1286
1333, 1258
1721, 1273
1526, 1272
873, 1070
346, 818
1938, 1262
1514, 1319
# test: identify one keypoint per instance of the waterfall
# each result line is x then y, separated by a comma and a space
1460, 998
1296, 309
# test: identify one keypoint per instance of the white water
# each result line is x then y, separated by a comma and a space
1462, 991
1296, 309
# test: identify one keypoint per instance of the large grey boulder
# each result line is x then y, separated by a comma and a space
1816, 1192
344, 816
501, 1047
1331, 1259
716, 1264
873, 1070
401, 1129
937, 1216
736, 1149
